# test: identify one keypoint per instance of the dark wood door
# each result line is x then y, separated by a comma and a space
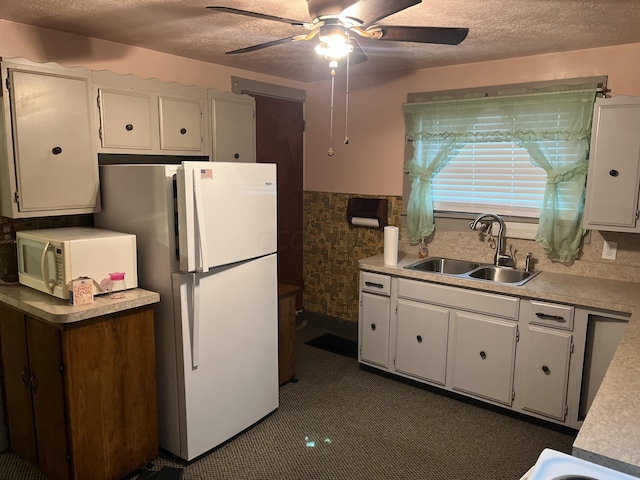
47, 386
279, 140
17, 375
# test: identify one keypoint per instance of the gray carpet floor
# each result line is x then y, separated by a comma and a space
343, 422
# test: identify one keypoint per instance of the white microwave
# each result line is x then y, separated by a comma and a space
50, 259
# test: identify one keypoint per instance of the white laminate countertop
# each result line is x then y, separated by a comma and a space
56, 310
610, 434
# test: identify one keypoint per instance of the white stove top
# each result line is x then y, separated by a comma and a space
553, 465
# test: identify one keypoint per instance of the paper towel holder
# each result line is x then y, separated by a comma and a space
367, 212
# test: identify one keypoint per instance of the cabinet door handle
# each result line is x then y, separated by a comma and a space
56, 150
546, 370
483, 355
373, 326
419, 338
373, 284
546, 316
236, 156
613, 173
183, 131
128, 127
25, 377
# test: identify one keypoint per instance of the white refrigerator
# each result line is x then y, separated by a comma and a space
206, 236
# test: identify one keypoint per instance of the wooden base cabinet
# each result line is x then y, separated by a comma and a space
81, 397
287, 333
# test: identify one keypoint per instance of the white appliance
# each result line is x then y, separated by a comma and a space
206, 233
554, 465
50, 258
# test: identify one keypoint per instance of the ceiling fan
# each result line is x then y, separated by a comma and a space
338, 24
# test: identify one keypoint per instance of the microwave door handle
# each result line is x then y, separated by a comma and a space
44, 268
200, 227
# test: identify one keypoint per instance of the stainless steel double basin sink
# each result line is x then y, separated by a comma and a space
473, 270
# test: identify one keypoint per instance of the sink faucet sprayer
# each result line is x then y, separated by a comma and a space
500, 258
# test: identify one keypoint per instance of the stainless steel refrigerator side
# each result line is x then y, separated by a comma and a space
139, 200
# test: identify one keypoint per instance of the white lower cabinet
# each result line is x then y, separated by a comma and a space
525, 355
421, 341
546, 371
484, 350
375, 313
374, 344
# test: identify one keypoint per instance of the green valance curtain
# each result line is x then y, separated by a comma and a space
552, 124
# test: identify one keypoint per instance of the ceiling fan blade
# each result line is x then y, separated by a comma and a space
370, 11
440, 35
260, 46
264, 16
357, 55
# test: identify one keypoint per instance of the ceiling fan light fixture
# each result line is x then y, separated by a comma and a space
334, 50
334, 41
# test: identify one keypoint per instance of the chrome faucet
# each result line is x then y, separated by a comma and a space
527, 262
500, 258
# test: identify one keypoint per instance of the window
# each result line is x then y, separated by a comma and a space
519, 153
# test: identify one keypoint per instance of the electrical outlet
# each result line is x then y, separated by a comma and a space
609, 250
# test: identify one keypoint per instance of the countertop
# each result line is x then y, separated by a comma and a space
610, 433
56, 310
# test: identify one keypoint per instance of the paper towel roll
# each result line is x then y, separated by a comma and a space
391, 245
365, 222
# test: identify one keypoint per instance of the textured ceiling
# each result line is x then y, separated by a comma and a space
498, 29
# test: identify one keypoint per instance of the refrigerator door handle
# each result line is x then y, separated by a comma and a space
201, 231
195, 322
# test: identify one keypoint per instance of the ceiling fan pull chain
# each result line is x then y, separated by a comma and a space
346, 107
333, 81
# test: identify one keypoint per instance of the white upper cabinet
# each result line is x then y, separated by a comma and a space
614, 166
125, 119
147, 116
181, 124
233, 127
48, 158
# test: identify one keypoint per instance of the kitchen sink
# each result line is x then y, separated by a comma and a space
443, 265
502, 275
472, 270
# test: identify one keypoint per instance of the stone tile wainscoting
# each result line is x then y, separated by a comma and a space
332, 249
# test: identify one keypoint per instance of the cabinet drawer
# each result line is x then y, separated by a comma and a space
375, 283
483, 302
551, 315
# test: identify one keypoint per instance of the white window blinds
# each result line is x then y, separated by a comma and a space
490, 177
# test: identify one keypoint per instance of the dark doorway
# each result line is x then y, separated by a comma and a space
279, 140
